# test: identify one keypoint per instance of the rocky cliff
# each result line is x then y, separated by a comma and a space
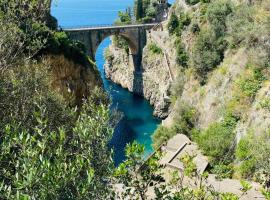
154, 80
72, 80
211, 100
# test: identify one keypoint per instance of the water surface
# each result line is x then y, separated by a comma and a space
137, 122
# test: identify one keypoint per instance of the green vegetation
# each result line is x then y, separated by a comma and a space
218, 140
45, 142
154, 48
124, 17
192, 2
244, 91
182, 57
253, 153
146, 173
184, 120
177, 24
118, 40
189, 165
145, 10
210, 44
56, 164
53, 149
173, 24
265, 103
140, 177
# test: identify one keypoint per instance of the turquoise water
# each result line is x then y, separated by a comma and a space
137, 122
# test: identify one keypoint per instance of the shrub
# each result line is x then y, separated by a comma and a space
183, 123
161, 135
223, 171
195, 28
209, 47
57, 164
184, 20
245, 90
181, 55
217, 141
184, 118
23, 91
192, 2
121, 43
173, 24
242, 28
154, 48
207, 53
59, 43
253, 153
250, 85
216, 15
177, 88
265, 103
249, 26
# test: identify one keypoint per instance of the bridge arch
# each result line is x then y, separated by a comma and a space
92, 37
129, 38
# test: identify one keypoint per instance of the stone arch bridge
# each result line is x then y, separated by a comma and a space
92, 37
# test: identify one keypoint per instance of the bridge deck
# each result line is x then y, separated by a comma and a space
106, 27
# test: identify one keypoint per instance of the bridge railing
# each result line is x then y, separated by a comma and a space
85, 26
101, 26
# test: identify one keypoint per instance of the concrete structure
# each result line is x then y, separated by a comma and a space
179, 146
91, 37
162, 10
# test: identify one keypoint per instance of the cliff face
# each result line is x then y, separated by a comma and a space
152, 82
73, 81
221, 92
211, 100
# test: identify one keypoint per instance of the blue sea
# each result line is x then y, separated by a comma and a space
138, 122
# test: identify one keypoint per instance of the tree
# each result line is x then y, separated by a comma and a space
136, 175
173, 24
139, 10
22, 29
61, 164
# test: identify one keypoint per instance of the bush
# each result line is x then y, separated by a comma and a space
192, 2
249, 26
44, 149
44, 164
245, 90
209, 47
154, 48
161, 135
121, 43
24, 92
216, 15
195, 28
181, 55
207, 53
177, 88
223, 171
176, 25
184, 119
184, 20
253, 153
217, 141
250, 85
183, 123
173, 24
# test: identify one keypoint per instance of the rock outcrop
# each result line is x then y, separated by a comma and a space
152, 81
72, 80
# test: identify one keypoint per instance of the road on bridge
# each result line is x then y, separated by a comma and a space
110, 26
